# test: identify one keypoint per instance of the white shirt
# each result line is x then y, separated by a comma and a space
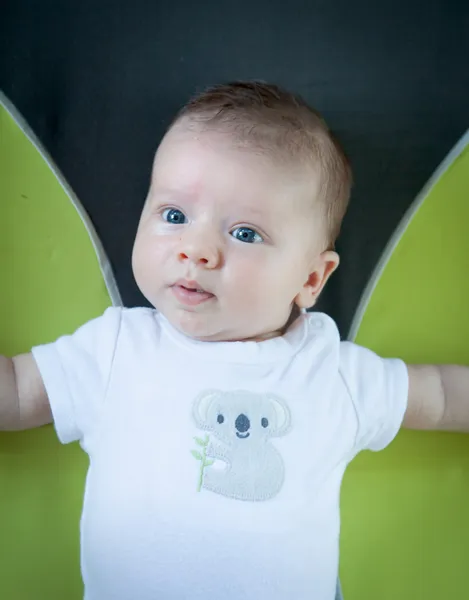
215, 467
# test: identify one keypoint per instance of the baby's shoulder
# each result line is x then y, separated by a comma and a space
137, 313
323, 333
140, 319
321, 329
119, 322
116, 315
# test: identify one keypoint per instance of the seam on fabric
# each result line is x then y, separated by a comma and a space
301, 344
349, 392
106, 390
111, 365
72, 396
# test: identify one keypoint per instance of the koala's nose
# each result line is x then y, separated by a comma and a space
242, 423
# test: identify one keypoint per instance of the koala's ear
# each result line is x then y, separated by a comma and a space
201, 406
283, 415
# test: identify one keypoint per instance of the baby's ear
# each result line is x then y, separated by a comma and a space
325, 265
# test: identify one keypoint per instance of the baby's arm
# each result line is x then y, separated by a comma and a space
438, 398
23, 399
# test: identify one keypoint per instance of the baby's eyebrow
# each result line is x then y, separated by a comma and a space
252, 211
239, 211
171, 193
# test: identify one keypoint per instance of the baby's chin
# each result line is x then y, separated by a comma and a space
209, 328
202, 328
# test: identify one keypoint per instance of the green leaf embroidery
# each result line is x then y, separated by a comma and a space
204, 461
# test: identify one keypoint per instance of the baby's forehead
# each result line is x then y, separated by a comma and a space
180, 141
189, 160
229, 144
206, 170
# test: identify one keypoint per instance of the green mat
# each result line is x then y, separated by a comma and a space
405, 510
54, 276
405, 525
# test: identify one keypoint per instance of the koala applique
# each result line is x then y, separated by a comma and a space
242, 423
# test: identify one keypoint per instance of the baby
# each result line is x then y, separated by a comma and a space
219, 424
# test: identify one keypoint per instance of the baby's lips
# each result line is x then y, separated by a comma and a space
192, 285
190, 297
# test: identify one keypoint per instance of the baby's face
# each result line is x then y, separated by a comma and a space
226, 240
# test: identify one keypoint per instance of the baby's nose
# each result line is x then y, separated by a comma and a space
201, 251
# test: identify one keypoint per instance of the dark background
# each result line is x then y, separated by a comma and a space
98, 81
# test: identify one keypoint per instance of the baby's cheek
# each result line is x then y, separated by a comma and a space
155, 244
147, 260
246, 278
141, 254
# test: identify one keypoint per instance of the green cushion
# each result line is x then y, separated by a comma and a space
51, 282
404, 517
405, 510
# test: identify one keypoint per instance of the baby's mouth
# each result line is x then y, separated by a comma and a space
190, 295
198, 290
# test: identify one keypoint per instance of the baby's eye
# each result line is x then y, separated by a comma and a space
173, 215
245, 234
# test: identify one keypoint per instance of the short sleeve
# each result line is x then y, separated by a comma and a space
378, 388
76, 370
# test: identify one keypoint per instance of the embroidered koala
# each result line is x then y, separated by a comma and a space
242, 423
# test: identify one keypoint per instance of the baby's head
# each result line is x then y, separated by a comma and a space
247, 195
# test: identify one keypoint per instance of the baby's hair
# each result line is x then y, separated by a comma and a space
269, 119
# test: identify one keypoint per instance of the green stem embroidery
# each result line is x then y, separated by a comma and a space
202, 457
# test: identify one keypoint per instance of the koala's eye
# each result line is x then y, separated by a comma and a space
264, 422
220, 419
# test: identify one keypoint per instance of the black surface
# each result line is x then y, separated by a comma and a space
98, 81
